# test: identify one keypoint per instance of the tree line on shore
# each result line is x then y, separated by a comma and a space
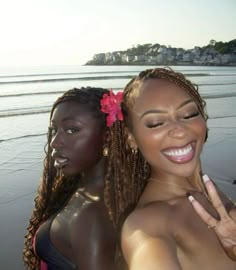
215, 53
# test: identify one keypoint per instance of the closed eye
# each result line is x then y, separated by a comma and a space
191, 115
154, 125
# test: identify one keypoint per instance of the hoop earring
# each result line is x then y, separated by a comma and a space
105, 151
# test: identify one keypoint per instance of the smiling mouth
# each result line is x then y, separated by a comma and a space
181, 154
60, 163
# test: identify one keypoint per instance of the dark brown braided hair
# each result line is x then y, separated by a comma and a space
125, 169
135, 170
126, 173
128, 167
53, 191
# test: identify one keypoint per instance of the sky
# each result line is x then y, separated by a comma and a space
70, 32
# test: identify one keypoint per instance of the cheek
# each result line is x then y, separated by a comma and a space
87, 149
150, 142
201, 129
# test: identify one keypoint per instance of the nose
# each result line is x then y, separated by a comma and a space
177, 130
56, 141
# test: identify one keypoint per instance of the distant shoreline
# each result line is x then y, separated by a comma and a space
213, 54
148, 64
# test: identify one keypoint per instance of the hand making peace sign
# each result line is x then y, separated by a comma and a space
225, 227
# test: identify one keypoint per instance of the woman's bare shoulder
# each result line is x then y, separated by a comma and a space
93, 233
146, 234
148, 217
95, 213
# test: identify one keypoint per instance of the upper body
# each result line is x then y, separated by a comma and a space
81, 233
167, 124
168, 234
71, 225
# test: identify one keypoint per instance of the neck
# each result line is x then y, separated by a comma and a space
93, 179
185, 186
191, 182
167, 189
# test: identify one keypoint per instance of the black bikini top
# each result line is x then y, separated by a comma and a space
47, 252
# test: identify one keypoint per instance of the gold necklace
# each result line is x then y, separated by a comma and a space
177, 185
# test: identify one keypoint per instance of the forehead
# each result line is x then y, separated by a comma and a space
73, 110
153, 92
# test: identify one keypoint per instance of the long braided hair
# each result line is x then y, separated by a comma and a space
54, 191
127, 171
127, 166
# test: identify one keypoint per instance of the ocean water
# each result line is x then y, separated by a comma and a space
27, 93
26, 96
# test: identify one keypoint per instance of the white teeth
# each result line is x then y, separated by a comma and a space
179, 152
60, 162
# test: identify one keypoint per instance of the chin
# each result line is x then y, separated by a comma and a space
68, 172
187, 171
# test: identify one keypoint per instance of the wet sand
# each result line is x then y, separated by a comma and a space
20, 170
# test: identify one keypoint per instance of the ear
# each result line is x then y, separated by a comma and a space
131, 140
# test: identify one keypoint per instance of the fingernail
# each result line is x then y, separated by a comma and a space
191, 198
205, 178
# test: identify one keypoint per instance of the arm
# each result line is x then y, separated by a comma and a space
225, 227
94, 242
143, 250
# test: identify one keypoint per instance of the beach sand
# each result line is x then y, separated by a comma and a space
21, 169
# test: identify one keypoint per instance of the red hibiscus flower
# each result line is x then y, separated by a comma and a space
110, 104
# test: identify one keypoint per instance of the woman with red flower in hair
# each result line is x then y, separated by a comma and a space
75, 222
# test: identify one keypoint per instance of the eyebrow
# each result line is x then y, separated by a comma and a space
163, 111
69, 118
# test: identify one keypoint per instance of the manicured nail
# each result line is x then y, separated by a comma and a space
191, 198
205, 178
